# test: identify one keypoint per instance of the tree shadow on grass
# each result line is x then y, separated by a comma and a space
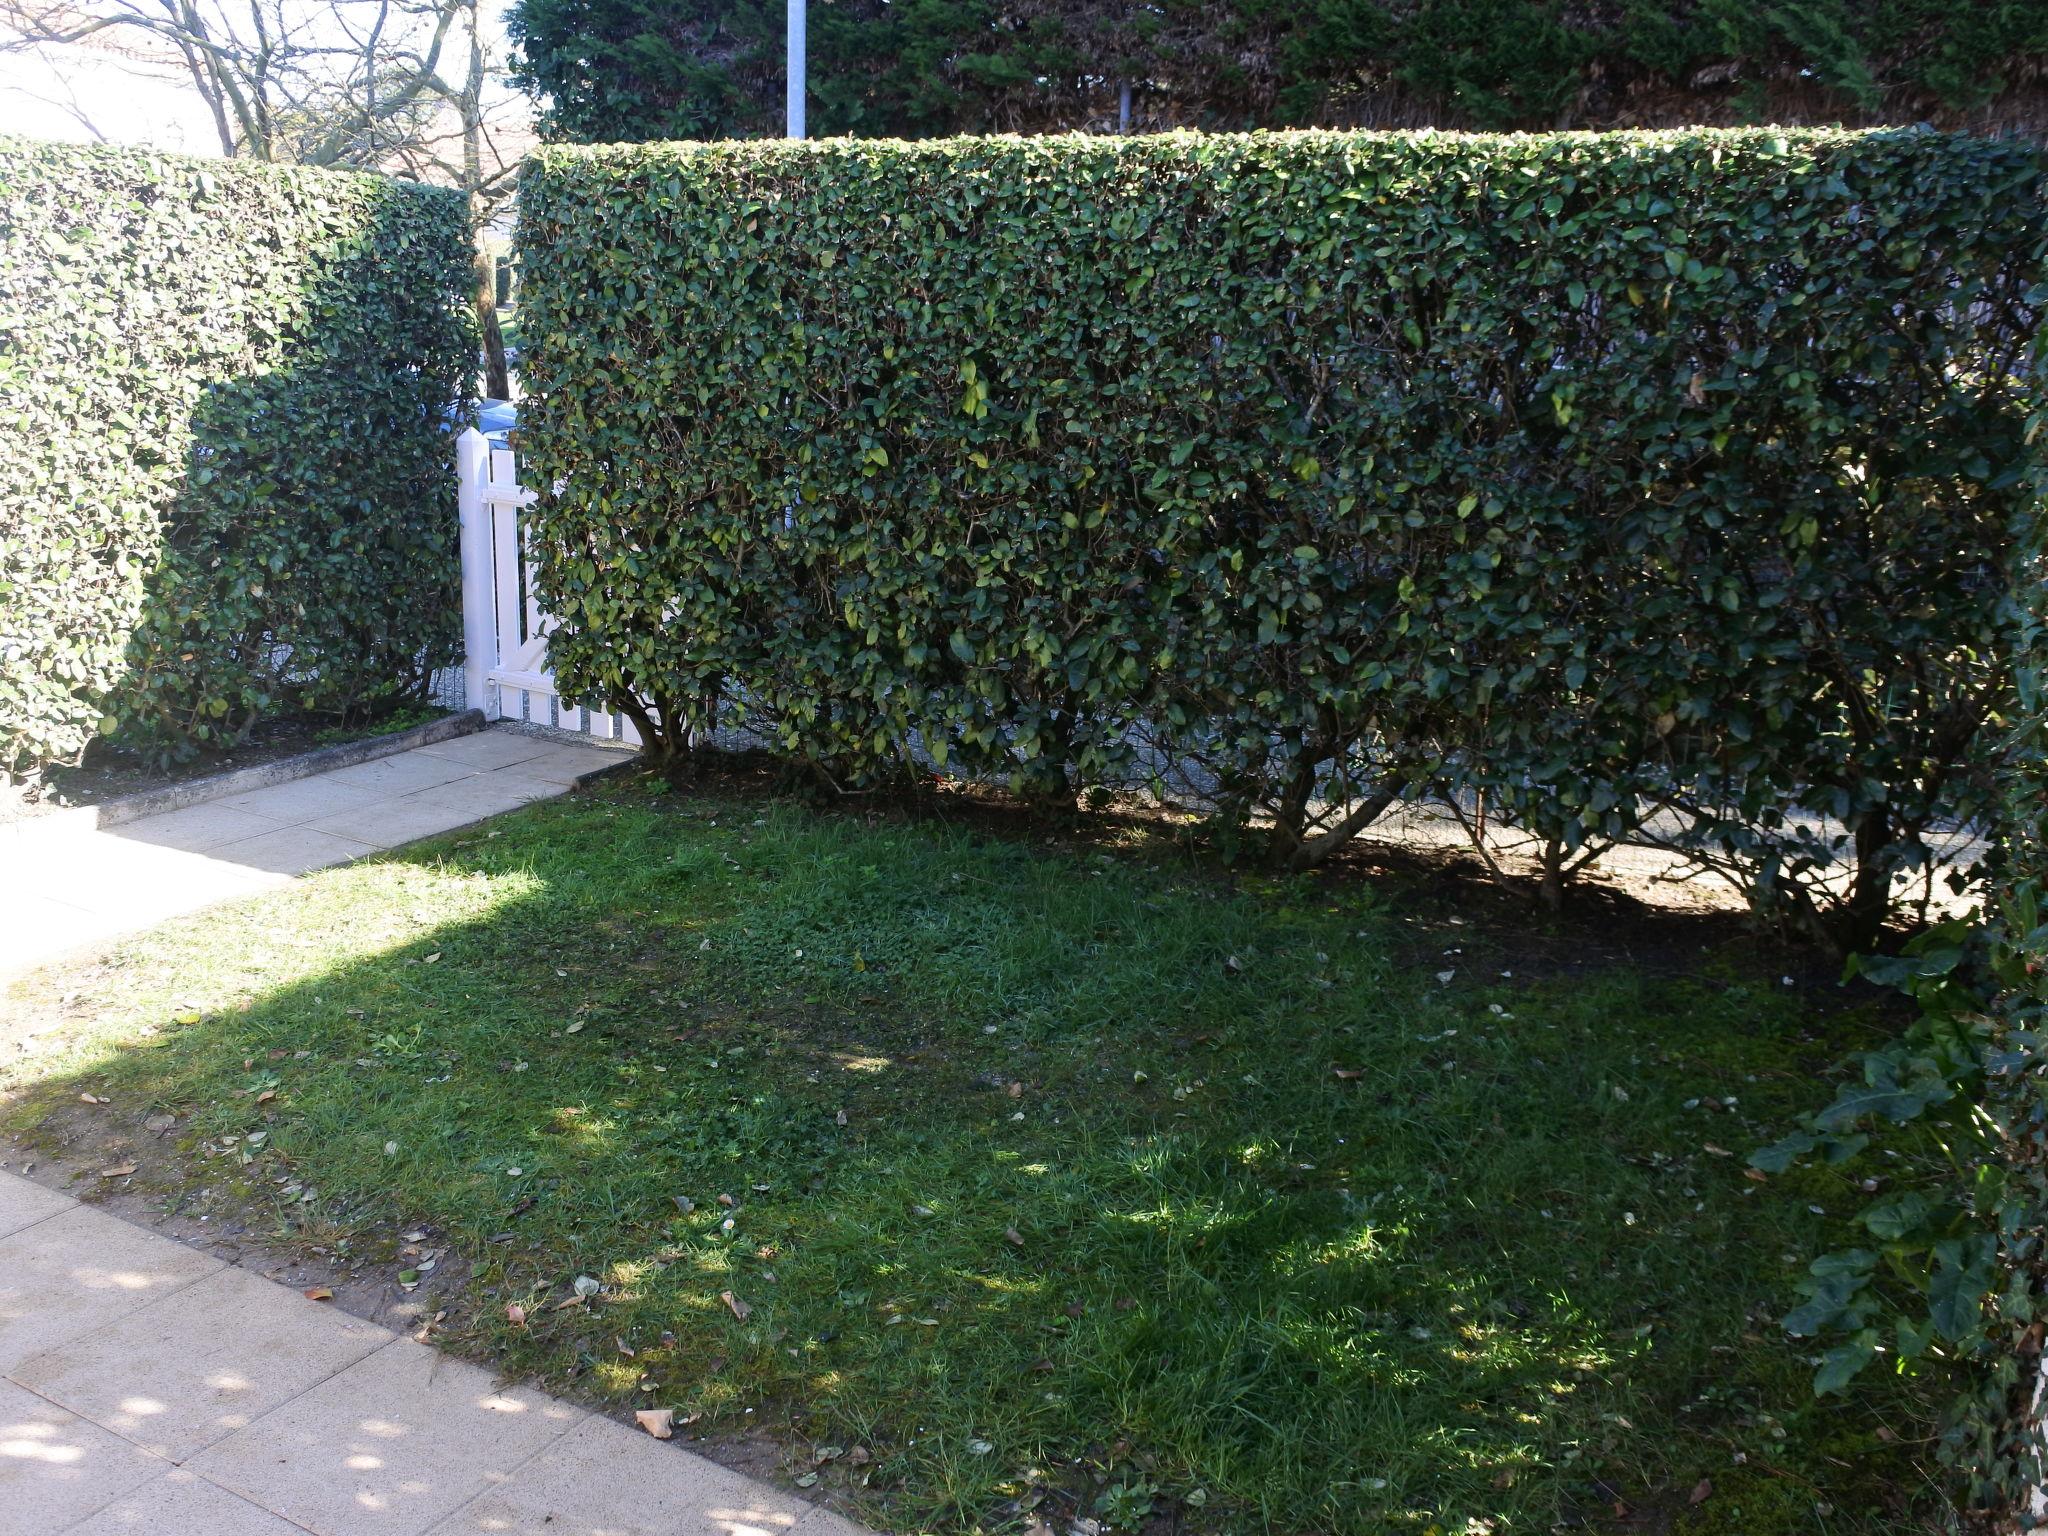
1022, 1175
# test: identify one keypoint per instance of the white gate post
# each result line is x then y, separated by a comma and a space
479, 604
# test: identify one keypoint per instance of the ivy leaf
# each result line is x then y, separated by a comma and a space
1840, 1365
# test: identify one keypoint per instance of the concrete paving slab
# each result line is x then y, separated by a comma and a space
180, 1503
197, 828
822, 1522
503, 791
490, 749
294, 850
55, 1468
407, 819
79, 1271
602, 1479
300, 800
23, 1204
399, 775
204, 1362
33, 928
563, 764
391, 1446
127, 879
67, 892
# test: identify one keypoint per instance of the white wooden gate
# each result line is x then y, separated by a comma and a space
505, 673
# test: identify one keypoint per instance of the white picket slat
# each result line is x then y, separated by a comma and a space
505, 672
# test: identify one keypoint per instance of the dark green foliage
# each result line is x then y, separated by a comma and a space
225, 485
1952, 1258
1999, 1435
648, 69
1947, 1261
1589, 474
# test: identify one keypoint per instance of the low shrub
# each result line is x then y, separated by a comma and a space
225, 484
1654, 481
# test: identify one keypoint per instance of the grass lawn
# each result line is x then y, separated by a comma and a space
1063, 1183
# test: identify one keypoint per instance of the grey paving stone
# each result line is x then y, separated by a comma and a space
602, 1479
823, 1522
55, 1469
491, 794
133, 882
202, 1363
394, 1444
301, 799
81, 1270
180, 1503
562, 764
196, 828
489, 749
23, 1204
388, 823
293, 851
400, 774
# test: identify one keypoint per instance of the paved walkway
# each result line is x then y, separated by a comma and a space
147, 1387
63, 888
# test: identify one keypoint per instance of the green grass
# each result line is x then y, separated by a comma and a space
1151, 1191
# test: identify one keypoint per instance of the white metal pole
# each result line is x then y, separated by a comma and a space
795, 87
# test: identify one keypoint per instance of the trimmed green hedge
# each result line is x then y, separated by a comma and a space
1588, 476
225, 482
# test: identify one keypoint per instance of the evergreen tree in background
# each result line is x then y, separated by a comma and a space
607, 70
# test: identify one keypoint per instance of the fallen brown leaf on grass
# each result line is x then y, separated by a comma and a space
118, 1171
658, 1422
1701, 1491
319, 1293
1348, 1074
739, 1308
515, 1314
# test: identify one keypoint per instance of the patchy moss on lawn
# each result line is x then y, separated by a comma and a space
1000, 1183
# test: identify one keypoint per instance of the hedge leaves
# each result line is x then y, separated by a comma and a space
225, 465
1643, 484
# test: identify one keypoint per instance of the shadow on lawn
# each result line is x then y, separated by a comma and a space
989, 1167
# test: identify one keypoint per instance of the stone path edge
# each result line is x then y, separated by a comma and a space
75, 820
813, 1513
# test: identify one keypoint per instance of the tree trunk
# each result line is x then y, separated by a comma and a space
1860, 919
497, 378
1551, 890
